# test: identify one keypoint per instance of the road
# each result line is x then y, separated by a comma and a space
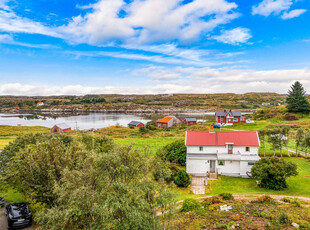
3, 221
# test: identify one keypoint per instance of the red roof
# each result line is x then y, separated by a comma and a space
221, 138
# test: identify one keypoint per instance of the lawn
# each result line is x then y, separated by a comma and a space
151, 145
298, 186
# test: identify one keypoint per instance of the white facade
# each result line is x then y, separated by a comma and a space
201, 160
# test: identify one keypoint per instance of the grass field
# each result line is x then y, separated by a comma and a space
151, 145
298, 186
9, 133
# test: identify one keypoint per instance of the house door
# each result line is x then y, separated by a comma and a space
212, 166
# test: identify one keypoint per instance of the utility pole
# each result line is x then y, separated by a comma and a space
75, 127
93, 142
164, 139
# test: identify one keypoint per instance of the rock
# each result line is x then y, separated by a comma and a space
295, 225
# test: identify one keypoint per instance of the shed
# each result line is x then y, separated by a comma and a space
60, 128
135, 124
190, 121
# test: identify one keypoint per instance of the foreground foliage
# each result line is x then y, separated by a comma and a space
86, 183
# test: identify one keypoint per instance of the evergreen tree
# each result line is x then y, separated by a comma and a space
296, 99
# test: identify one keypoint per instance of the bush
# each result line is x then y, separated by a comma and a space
265, 199
182, 179
176, 152
286, 200
211, 200
291, 117
272, 172
190, 204
283, 219
227, 196
143, 130
151, 125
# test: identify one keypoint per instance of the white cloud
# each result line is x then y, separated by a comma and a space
148, 21
8, 39
234, 36
180, 80
293, 14
10, 22
267, 7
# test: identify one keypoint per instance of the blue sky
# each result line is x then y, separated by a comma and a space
53, 47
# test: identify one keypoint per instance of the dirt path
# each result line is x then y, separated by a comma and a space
3, 221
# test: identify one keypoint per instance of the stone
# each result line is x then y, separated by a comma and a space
295, 225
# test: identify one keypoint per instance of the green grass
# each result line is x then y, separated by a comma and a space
302, 164
298, 186
151, 145
9, 133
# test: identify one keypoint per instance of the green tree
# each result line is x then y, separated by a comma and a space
285, 131
182, 179
275, 138
299, 138
176, 152
296, 99
307, 141
262, 134
107, 191
273, 172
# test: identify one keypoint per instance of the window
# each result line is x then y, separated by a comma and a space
200, 148
222, 119
250, 163
247, 149
235, 119
242, 118
221, 163
230, 149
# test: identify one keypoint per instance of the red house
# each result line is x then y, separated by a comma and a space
229, 117
190, 121
167, 122
135, 124
60, 128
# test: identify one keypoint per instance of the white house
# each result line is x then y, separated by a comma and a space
230, 153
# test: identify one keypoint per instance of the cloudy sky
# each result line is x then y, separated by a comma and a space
53, 47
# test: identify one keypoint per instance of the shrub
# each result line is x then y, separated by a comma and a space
283, 219
131, 127
176, 152
272, 172
291, 117
265, 199
227, 196
150, 125
190, 204
286, 200
211, 200
143, 130
182, 179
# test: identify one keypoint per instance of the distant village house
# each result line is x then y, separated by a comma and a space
135, 124
167, 122
40, 103
60, 128
190, 121
229, 117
